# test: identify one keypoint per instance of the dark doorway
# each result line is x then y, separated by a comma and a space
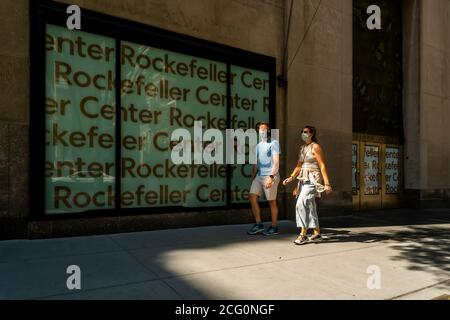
377, 150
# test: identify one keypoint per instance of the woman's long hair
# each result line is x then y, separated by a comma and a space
313, 131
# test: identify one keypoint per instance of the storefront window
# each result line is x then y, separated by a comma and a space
80, 125
164, 91
161, 143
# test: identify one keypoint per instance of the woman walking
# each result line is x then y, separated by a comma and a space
310, 172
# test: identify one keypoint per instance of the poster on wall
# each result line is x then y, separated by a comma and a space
162, 92
392, 170
371, 169
175, 90
80, 126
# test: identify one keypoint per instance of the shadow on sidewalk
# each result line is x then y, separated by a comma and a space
388, 218
165, 254
425, 249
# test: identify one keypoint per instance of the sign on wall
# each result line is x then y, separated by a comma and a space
161, 91
371, 169
392, 170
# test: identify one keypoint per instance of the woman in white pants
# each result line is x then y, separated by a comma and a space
310, 171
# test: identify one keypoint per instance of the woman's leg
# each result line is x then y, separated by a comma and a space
306, 213
302, 216
314, 220
311, 208
300, 211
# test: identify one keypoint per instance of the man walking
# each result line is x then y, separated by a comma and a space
265, 180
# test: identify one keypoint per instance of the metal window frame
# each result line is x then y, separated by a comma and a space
44, 12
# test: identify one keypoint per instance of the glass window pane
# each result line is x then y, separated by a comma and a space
392, 170
80, 131
164, 91
371, 168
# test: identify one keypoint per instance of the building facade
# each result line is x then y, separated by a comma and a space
86, 115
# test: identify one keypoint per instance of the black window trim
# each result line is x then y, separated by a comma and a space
43, 12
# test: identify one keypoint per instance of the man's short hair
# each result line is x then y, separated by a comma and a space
262, 124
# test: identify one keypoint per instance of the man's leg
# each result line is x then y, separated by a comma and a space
253, 198
271, 196
258, 227
274, 212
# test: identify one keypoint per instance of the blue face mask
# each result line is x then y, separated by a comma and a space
263, 135
305, 136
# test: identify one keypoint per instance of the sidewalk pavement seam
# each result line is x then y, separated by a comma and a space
147, 268
174, 289
94, 289
60, 256
419, 290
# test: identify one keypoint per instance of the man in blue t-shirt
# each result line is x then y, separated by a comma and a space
265, 180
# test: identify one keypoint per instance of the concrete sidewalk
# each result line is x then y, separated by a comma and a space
410, 248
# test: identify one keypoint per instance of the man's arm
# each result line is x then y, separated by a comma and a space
255, 166
274, 171
276, 164
275, 158
255, 171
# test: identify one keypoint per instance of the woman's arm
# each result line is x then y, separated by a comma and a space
321, 160
294, 174
297, 169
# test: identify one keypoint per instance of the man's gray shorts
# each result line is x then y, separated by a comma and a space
258, 187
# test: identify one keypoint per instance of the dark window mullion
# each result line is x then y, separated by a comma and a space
118, 123
229, 171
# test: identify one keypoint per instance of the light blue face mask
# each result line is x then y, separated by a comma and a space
305, 136
263, 135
